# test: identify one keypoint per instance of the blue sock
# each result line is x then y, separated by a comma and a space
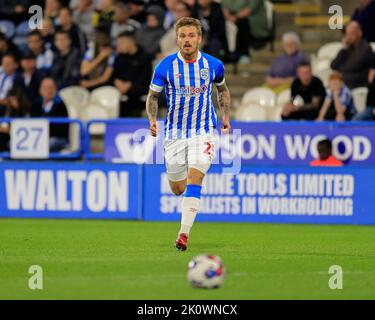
193, 190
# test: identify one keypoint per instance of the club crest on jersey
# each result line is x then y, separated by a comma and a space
204, 73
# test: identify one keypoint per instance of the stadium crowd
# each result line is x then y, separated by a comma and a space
92, 43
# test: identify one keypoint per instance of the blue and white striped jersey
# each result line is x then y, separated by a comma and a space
188, 88
345, 96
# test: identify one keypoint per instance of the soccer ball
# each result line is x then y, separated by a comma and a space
206, 271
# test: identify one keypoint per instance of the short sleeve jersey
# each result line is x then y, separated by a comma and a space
188, 90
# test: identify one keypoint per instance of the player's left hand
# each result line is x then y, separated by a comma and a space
225, 128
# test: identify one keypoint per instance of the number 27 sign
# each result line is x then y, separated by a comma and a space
29, 139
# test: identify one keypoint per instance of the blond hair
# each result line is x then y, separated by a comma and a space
188, 21
335, 75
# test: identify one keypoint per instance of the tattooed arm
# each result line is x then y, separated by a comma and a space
224, 103
152, 110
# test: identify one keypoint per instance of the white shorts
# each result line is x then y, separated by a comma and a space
180, 154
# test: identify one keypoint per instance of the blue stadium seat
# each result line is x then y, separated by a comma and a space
20, 38
8, 28
23, 29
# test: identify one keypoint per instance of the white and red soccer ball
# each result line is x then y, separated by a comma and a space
206, 271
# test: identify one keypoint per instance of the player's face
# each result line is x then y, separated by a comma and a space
188, 40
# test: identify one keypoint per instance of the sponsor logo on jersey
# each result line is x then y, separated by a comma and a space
190, 91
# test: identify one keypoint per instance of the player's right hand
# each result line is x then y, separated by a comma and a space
225, 129
153, 128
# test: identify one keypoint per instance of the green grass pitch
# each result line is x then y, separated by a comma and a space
137, 260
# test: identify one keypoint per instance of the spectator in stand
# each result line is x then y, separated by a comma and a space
250, 17
211, 15
338, 104
172, 11
238, 12
52, 9
170, 17
30, 77
364, 15
132, 71
8, 75
284, 68
66, 62
48, 33
326, 158
369, 112
66, 23
18, 103
150, 34
103, 16
138, 10
7, 46
307, 95
97, 65
354, 60
17, 106
44, 56
14, 10
122, 22
168, 43
83, 11
50, 105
